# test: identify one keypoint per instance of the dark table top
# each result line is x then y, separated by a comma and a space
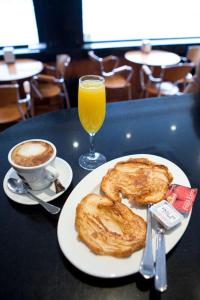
32, 265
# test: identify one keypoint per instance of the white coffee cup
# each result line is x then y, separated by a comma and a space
39, 176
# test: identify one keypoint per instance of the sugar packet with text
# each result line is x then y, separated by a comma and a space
181, 197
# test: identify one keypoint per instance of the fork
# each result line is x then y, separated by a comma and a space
147, 269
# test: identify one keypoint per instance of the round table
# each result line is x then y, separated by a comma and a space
32, 264
20, 69
153, 58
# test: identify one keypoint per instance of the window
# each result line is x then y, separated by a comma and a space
17, 23
111, 20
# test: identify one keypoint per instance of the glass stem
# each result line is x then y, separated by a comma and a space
92, 150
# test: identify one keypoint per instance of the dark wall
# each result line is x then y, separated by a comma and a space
60, 27
59, 23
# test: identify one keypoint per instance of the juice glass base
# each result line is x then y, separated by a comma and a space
91, 162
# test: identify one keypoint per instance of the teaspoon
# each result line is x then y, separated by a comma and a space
17, 186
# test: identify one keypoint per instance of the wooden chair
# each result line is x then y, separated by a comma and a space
172, 80
193, 55
194, 84
12, 108
116, 77
52, 83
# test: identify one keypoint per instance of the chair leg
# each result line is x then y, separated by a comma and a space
129, 92
36, 91
146, 94
20, 109
66, 95
142, 94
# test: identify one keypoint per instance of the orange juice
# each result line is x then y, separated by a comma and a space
91, 104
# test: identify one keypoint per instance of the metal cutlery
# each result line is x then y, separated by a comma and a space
19, 187
147, 269
160, 268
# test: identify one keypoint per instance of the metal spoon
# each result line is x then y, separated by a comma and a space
147, 263
161, 270
17, 186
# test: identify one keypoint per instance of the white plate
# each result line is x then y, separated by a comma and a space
48, 194
106, 266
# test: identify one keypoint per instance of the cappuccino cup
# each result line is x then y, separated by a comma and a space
34, 162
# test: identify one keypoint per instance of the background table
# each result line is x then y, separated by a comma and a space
32, 264
153, 58
21, 69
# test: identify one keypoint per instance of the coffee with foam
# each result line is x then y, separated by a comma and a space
32, 153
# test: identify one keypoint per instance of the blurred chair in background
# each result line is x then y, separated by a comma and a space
193, 55
194, 84
116, 77
172, 80
52, 84
12, 108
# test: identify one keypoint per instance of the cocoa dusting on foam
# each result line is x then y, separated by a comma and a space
31, 154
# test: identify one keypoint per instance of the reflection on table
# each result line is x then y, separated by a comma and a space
153, 58
21, 69
168, 127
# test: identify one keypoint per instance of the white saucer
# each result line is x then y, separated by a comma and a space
48, 194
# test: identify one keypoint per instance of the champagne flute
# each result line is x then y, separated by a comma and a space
91, 110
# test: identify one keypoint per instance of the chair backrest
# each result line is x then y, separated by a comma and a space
9, 94
176, 72
106, 64
193, 54
12, 107
62, 62
145, 75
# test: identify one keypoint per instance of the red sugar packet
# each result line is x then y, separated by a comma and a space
181, 197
